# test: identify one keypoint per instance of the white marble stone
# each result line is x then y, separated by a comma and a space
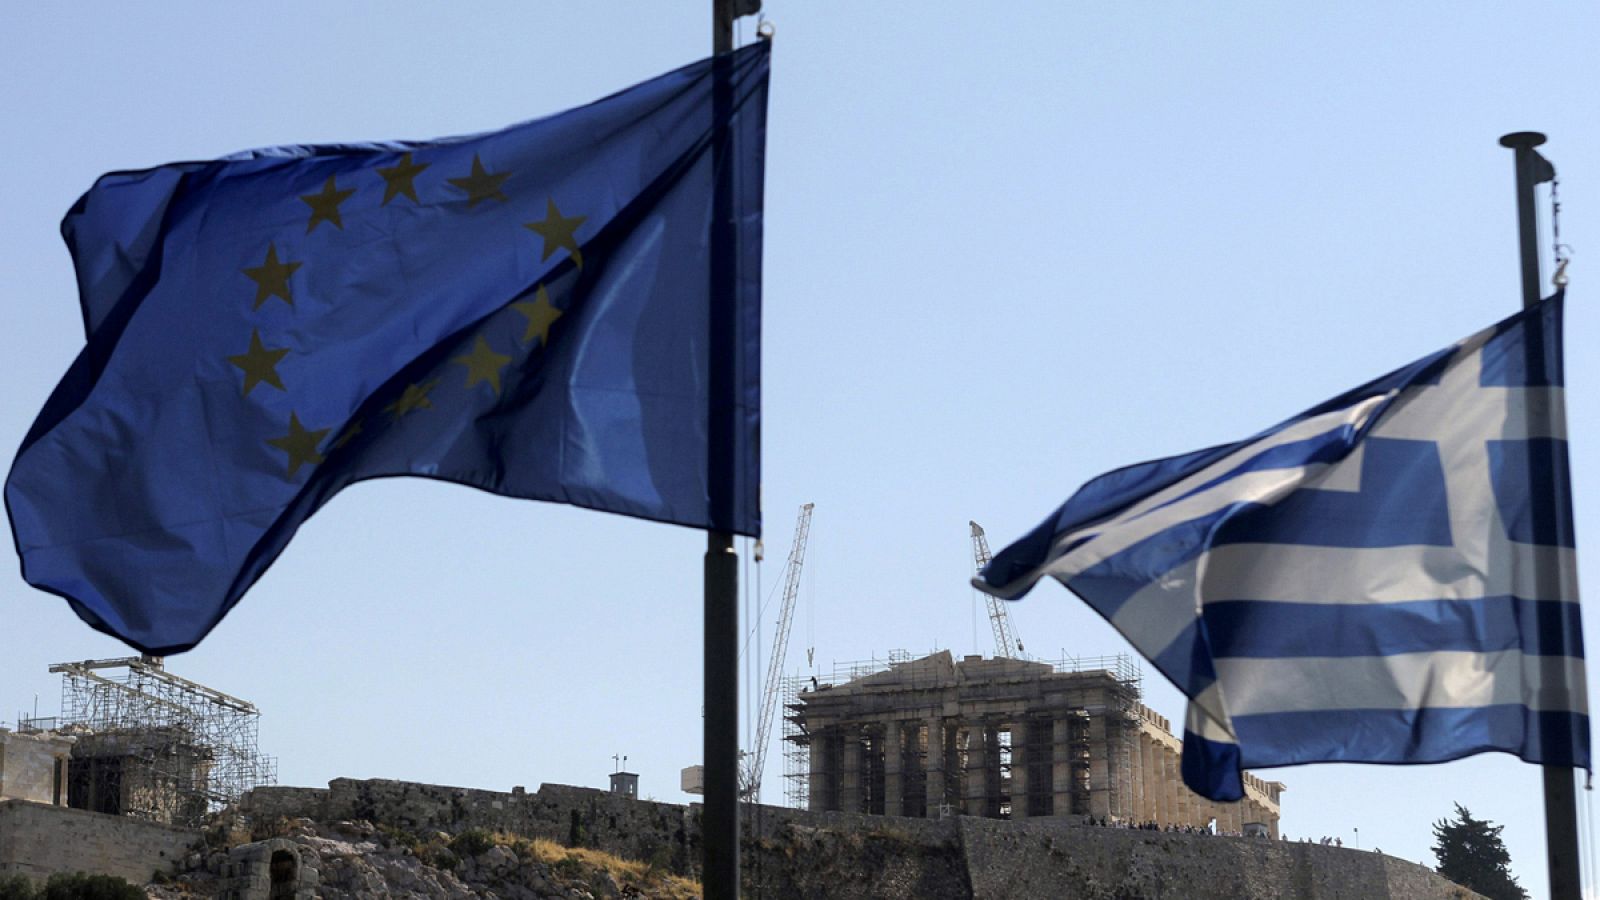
28, 769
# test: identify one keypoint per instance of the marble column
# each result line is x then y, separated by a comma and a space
822, 774
893, 782
1136, 776
935, 766
1099, 768
1122, 770
1061, 766
850, 770
1169, 788
993, 783
978, 762
1019, 769
1147, 779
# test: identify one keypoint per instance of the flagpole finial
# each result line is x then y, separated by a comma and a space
1522, 140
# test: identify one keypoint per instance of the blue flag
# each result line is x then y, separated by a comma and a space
530, 312
1389, 577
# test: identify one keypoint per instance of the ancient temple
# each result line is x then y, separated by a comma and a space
1005, 738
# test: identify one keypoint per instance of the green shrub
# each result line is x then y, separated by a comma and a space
16, 887
567, 868
438, 856
400, 837
472, 842
89, 887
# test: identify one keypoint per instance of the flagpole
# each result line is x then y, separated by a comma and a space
720, 820
1560, 794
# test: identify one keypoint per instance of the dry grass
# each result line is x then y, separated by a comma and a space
642, 877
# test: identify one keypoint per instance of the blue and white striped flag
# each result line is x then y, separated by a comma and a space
1388, 577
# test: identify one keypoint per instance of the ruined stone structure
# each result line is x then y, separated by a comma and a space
150, 744
1004, 739
34, 766
156, 774
270, 870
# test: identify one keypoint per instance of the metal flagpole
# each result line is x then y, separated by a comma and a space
1560, 794
720, 820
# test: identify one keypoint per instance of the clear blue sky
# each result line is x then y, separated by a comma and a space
1004, 254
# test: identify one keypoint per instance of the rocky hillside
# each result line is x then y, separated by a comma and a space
377, 838
356, 859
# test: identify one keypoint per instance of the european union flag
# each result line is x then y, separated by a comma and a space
530, 312
1388, 577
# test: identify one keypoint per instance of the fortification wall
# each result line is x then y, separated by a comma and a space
802, 854
39, 840
1034, 859
797, 853
637, 829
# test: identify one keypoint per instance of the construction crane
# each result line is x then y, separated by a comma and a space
1006, 643
750, 789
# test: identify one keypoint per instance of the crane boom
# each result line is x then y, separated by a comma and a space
1006, 643
780, 646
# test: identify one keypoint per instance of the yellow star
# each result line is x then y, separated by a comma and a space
272, 278
259, 363
325, 205
350, 431
300, 444
540, 314
557, 231
481, 184
398, 179
483, 364
414, 398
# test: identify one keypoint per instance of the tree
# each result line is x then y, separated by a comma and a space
1472, 855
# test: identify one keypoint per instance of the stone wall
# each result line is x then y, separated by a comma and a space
797, 853
31, 766
39, 840
1034, 859
794, 853
268, 803
636, 829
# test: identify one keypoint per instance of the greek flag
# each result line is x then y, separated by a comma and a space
1388, 577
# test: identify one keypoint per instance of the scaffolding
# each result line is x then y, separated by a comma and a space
181, 749
796, 747
1122, 730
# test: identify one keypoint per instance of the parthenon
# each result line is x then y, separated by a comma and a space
1004, 738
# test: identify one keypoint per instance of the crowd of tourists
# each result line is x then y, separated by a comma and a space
1107, 822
